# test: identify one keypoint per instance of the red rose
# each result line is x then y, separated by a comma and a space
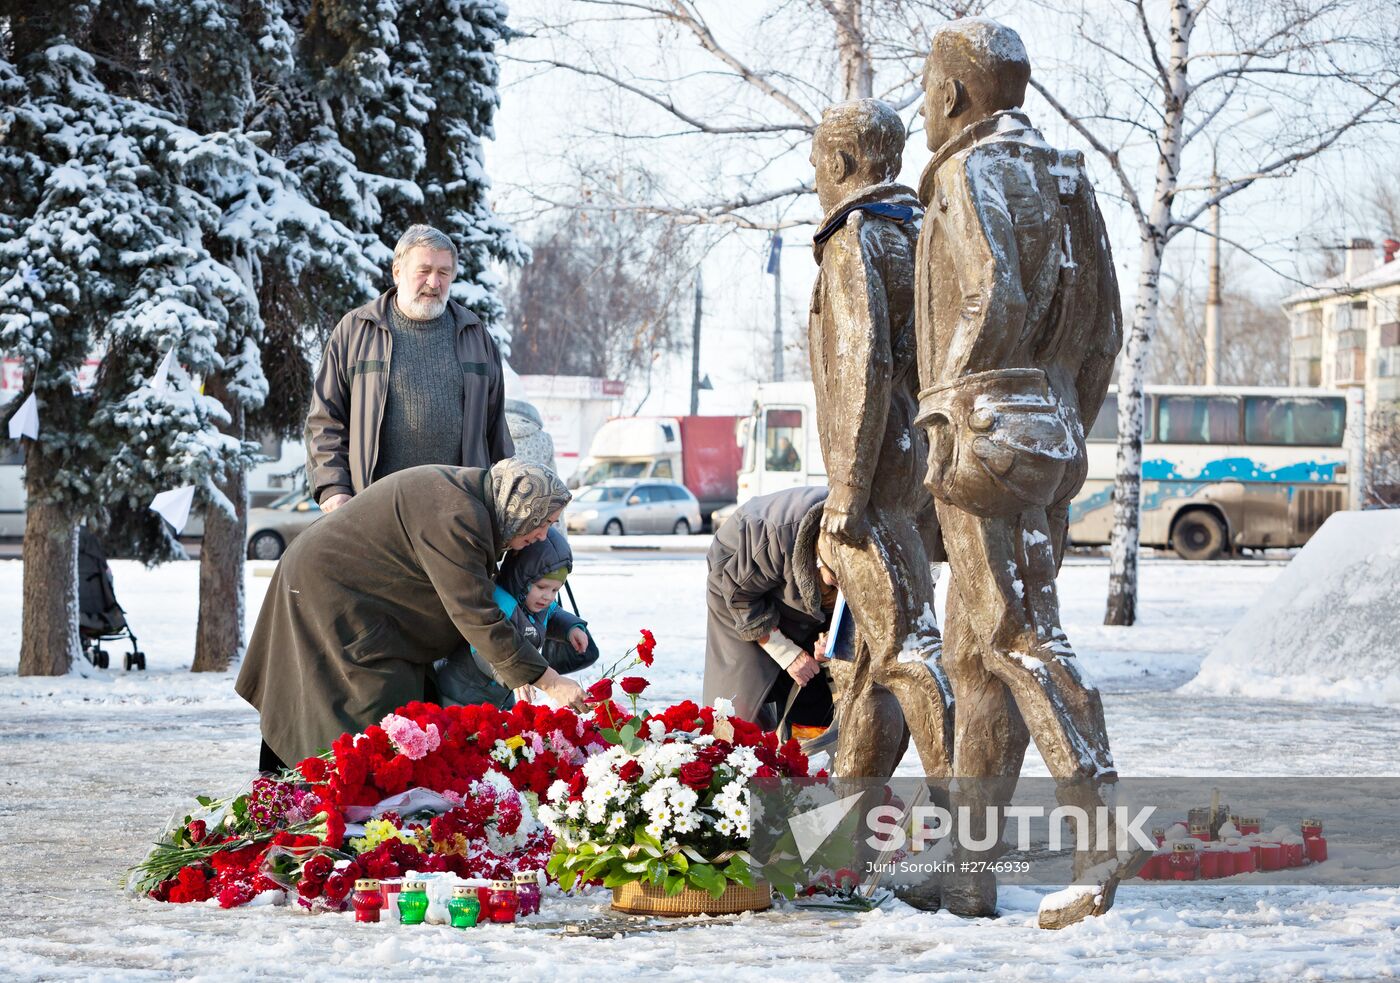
631, 771
337, 886
713, 754
633, 685
646, 647
197, 830
696, 775
318, 867
600, 691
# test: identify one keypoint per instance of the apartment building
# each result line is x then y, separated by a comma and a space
1345, 331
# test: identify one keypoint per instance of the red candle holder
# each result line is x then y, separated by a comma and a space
1312, 828
1249, 825
1242, 859
1316, 847
505, 901
1211, 863
1270, 856
1185, 861
367, 900
1293, 854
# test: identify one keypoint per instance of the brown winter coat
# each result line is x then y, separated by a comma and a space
367, 598
763, 575
347, 402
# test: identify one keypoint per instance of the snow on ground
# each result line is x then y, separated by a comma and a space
94, 763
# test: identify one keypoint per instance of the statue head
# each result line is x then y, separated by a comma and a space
857, 144
975, 67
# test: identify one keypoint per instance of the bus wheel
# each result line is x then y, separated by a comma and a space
1198, 535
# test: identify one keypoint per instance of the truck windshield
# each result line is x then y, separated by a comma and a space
604, 470
599, 494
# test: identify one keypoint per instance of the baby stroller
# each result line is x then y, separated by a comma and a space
100, 617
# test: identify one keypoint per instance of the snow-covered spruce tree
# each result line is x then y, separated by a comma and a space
221, 64
409, 90
101, 254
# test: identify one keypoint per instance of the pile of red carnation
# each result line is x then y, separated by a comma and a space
289, 834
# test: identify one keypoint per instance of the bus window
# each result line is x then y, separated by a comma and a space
1198, 419
1310, 421
747, 441
1105, 428
782, 438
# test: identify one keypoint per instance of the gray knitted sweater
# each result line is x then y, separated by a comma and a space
423, 406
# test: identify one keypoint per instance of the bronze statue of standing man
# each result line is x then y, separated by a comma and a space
878, 522
1018, 327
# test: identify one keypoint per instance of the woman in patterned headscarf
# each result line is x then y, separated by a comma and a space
366, 599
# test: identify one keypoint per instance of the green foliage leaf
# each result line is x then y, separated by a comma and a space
618, 878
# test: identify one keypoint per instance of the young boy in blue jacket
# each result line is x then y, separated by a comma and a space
527, 592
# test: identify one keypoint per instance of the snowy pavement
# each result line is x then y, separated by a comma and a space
93, 763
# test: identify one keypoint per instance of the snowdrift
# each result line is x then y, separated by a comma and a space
1328, 629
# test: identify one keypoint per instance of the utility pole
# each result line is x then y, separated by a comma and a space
695, 348
1213, 302
1213, 290
775, 267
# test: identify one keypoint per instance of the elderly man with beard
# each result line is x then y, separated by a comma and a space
410, 378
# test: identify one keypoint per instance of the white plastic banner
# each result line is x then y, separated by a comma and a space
174, 506
25, 422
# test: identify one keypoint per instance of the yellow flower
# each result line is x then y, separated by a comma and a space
515, 742
377, 831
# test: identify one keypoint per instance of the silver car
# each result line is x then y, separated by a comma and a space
271, 529
620, 506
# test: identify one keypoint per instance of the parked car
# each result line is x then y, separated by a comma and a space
272, 528
719, 516
620, 506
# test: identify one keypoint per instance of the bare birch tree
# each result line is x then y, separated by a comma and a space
737, 106
1179, 78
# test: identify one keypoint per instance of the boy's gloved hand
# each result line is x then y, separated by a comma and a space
578, 638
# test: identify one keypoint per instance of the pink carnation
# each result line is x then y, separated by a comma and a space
410, 740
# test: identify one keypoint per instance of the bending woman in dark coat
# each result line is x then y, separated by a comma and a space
366, 599
768, 606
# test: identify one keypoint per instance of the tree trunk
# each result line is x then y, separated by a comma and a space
1127, 489
219, 637
857, 72
49, 624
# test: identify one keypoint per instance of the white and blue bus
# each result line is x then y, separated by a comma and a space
1223, 468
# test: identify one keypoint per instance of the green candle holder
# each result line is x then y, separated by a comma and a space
464, 908
413, 902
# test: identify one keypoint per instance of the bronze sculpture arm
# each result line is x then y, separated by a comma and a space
858, 379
